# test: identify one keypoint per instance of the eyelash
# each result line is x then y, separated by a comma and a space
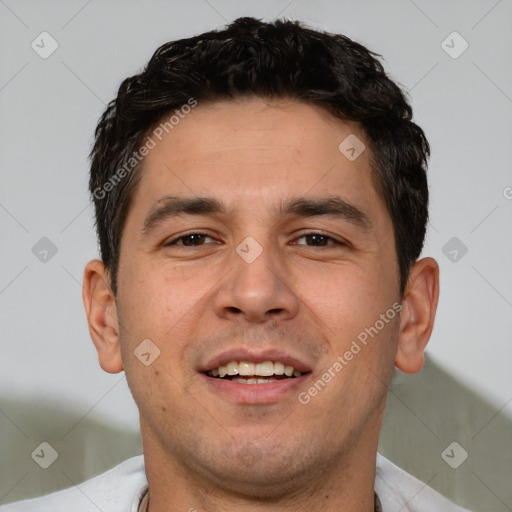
309, 233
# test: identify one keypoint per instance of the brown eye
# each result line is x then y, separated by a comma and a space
318, 240
190, 240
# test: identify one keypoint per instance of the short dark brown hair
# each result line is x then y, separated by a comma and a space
271, 60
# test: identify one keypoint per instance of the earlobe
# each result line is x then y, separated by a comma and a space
417, 316
101, 311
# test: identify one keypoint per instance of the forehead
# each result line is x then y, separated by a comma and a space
258, 148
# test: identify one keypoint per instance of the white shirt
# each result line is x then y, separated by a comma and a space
122, 488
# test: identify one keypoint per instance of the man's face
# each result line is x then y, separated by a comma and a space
255, 283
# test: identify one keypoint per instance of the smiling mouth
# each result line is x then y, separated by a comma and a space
245, 372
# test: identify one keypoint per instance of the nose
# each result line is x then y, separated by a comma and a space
257, 290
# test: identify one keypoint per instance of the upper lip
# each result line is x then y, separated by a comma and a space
256, 356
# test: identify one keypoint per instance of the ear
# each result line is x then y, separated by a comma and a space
101, 311
417, 316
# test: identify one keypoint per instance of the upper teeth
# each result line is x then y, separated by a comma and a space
245, 368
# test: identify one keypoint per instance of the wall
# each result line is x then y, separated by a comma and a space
49, 110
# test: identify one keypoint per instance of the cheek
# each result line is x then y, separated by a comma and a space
344, 298
354, 309
154, 298
163, 304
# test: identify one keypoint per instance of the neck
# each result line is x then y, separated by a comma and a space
345, 484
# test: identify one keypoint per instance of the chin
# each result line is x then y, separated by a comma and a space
261, 472
262, 482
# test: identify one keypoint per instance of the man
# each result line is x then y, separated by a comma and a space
261, 205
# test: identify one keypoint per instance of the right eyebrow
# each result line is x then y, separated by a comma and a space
172, 206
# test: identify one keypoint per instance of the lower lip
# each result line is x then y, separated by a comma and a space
265, 393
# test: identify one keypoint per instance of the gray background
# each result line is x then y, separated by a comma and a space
51, 387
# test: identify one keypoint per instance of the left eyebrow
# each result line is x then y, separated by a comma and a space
333, 206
